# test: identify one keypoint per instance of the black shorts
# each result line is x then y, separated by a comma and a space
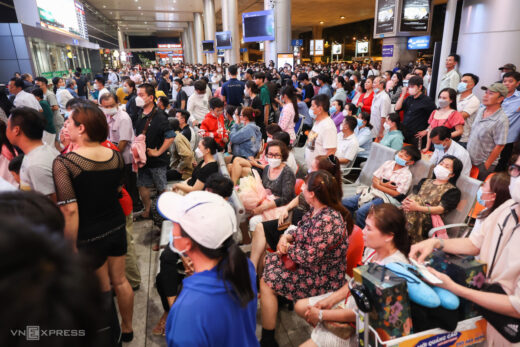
97, 252
271, 232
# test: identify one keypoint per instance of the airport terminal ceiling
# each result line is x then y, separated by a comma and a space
144, 17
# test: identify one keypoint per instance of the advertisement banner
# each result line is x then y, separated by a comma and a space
388, 50
385, 16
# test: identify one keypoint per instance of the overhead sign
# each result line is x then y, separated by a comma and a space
316, 47
419, 42
285, 58
402, 18
388, 50
297, 43
415, 15
361, 47
64, 16
385, 17
172, 49
336, 49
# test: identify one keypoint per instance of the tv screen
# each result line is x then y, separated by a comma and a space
207, 47
385, 16
415, 15
64, 16
258, 26
419, 42
223, 39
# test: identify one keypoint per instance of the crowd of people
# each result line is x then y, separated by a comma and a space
83, 160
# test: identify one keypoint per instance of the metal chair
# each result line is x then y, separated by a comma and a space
457, 219
421, 169
299, 130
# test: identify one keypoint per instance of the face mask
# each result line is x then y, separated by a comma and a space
443, 103
514, 189
405, 83
332, 110
462, 87
274, 163
172, 247
334, 86
479, 197
439, 147
110, 111
139, 101
269, 139
66, 115
125, 90
247, 93
96, 87
376, 90
399, 160
386, 126
198, 152
359, 122
345, 113
441, 172
311, 113
62, 87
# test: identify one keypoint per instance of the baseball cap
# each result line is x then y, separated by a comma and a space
206, 217
497, 88
508, 66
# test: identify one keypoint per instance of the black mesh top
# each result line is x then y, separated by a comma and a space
94, 186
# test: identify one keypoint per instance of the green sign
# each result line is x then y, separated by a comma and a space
52, 74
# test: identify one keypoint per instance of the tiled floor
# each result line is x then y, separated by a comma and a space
291, 329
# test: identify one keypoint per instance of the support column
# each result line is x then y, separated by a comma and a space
270, 46
127, 41
190, 37
317, 34
230, 23
488, 38
210, 28
401, 53
120, 40
185, 47
447, 39
198, 37
283, 26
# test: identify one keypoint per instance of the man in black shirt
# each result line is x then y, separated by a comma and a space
164, 82
153, 123
181, 99
183, 116
417, 110
233, 90
307, 90
81, 82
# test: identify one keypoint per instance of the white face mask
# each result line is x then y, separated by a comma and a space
514, 188
198, 153
345, 113
386, 126
172, 247
109, 111
273, 162
139, 102
441, 172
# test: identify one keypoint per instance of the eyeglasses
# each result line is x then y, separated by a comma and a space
274, 155
514, 170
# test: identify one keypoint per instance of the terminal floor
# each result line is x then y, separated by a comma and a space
291, 329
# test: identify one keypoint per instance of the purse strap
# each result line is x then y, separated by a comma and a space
148, 121
512, 213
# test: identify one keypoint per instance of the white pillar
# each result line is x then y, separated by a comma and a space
185, 47
127, 41
270, 46
120, 40
447, 40
198, 37
190, 37
488, 38
210, 27
283, 27
230, 23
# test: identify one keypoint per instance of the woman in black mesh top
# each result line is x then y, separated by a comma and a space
88, 184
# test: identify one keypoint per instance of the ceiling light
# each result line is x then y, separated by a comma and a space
141, 13
342, 17
104, 6
145, 22
138, 7
110, 12
322, 22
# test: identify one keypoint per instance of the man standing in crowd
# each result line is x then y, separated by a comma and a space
233, 90
452, 78
307, 89
113, 79
198, 104
467, 104
444, 145
22, 98
181, 98
511, 107
380, 108
25, 130
417, 109
264, 95
82, 83
183, 116
49, 96
153, 123
99, 84
489, 131
322, 139
164, 82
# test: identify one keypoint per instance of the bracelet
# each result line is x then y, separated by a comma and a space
430, 212
320, 316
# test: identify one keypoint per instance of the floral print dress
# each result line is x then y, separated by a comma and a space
319, 250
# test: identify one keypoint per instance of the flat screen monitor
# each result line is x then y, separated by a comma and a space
419, 42
285, 58
385, 21
362, 47
64, 16
258, 26
318, 47
208, 46
336, 49
223, 39
415, 15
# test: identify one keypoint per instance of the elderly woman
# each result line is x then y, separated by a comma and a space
310, 259
432, 197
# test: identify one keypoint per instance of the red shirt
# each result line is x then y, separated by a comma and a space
367, 102
215, 128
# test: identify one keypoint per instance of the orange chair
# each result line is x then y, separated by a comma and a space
474, 172
356, 245
298, 186
478, 207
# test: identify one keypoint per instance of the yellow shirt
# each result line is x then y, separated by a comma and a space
121, 96
159, 93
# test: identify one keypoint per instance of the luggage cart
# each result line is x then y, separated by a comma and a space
469, 332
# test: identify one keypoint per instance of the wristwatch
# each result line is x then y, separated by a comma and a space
320, 316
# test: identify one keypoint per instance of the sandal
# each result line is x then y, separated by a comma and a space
140, 218
160, 328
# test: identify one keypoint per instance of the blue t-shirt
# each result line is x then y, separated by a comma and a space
233, 90
206, 314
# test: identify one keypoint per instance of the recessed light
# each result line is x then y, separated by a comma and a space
138, 7
342, 17
322, 22
110, 12
141, 13
145, 22
104, 6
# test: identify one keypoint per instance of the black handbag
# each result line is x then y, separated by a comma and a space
507, 326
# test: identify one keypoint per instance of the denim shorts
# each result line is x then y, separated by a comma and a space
150, 177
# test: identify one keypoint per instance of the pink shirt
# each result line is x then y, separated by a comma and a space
286, 121
454, 119
402, 177
506, 270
